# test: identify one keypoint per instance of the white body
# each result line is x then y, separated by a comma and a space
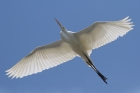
71, 45
74, 43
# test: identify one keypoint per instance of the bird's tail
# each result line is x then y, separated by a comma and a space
89, 62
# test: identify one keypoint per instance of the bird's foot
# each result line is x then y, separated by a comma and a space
102, 77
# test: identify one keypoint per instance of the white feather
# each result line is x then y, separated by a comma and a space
101, 33
42, 58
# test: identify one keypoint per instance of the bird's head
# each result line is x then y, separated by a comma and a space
62, 27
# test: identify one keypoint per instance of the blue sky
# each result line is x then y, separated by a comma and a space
26, 24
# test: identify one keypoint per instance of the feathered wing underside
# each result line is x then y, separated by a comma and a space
101, 33
42, 58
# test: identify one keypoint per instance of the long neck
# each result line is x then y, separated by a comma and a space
65, 31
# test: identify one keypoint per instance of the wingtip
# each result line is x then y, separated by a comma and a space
7, 70
127, 19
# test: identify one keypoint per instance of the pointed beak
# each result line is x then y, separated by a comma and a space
58, 22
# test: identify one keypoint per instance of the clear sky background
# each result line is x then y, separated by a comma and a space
26, 24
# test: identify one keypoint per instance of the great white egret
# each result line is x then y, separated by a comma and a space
71, 45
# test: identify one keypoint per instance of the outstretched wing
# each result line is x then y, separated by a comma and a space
42, 58
101, 33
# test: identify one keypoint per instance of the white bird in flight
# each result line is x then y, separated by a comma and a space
71, 45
